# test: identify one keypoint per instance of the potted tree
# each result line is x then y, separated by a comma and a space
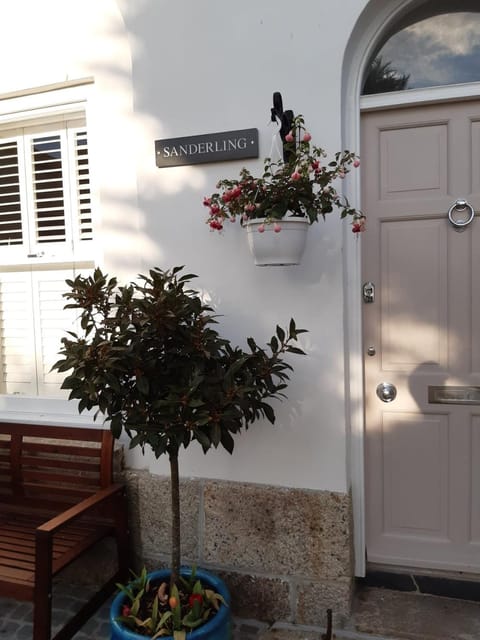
150, 361
277, 207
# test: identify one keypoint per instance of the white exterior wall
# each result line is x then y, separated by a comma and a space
166, 69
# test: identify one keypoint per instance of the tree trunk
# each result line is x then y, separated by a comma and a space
175, 500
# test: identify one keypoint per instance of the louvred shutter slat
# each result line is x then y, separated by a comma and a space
10, 205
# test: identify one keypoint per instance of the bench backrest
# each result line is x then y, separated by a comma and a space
51, 467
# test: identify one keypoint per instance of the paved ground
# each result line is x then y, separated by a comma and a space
379, 614
16, 619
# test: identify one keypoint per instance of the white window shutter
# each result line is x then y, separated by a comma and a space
81, 185
17, 340
48, 187
45, 197
33, 323
11, 226
51, 322
46, 224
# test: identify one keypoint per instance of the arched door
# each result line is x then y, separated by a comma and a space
421, 312
422, 335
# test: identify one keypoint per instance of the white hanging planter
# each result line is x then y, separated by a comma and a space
272, 248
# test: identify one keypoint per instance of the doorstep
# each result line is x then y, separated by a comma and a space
295, 632
401, 613
414, 615
450, 585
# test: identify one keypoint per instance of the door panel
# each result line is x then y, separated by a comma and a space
406, 287
422, 457
404, 175
475, 481
426, 513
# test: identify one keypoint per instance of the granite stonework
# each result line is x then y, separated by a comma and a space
285, 553
314, 598
277, 530
154, 514
258, 597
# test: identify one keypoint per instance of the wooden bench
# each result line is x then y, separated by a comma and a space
57, 499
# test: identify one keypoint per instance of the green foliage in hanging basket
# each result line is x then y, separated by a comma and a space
301, 186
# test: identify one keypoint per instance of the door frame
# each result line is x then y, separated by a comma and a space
373, 26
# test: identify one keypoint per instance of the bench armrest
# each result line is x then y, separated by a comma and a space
72, 513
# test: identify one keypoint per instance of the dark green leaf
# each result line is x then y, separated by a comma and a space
227, 441
280, 333
296, 350
116, 426
269, 412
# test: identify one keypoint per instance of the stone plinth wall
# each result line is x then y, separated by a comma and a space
286, 554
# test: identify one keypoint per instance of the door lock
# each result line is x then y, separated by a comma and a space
368, 292
386, 391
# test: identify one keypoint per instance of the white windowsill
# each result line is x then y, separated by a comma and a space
48, 411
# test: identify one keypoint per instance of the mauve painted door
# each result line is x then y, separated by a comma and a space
422, 457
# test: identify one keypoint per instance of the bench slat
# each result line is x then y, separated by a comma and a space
55, 449
32, 477
58, 463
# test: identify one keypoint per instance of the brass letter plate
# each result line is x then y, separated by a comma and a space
454, 395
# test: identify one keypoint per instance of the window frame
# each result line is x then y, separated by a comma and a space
42, 106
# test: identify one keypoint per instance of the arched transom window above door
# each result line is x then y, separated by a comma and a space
426, 52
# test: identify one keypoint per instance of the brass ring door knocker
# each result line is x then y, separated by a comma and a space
461, 214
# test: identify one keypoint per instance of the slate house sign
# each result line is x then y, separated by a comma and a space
209, 147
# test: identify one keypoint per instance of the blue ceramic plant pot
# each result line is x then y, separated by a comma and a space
218, 628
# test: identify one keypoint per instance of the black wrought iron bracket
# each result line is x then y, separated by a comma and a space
285, 118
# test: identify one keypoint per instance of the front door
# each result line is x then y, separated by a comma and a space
422, 335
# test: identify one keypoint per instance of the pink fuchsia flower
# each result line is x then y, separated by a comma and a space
341, 174
306, 137
289, 137
356, 163
277, 228
296, 175
261, 228
316, 165
216, 225
126, 611
358, 224
207, 201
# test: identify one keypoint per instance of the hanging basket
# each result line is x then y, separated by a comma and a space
272, 248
